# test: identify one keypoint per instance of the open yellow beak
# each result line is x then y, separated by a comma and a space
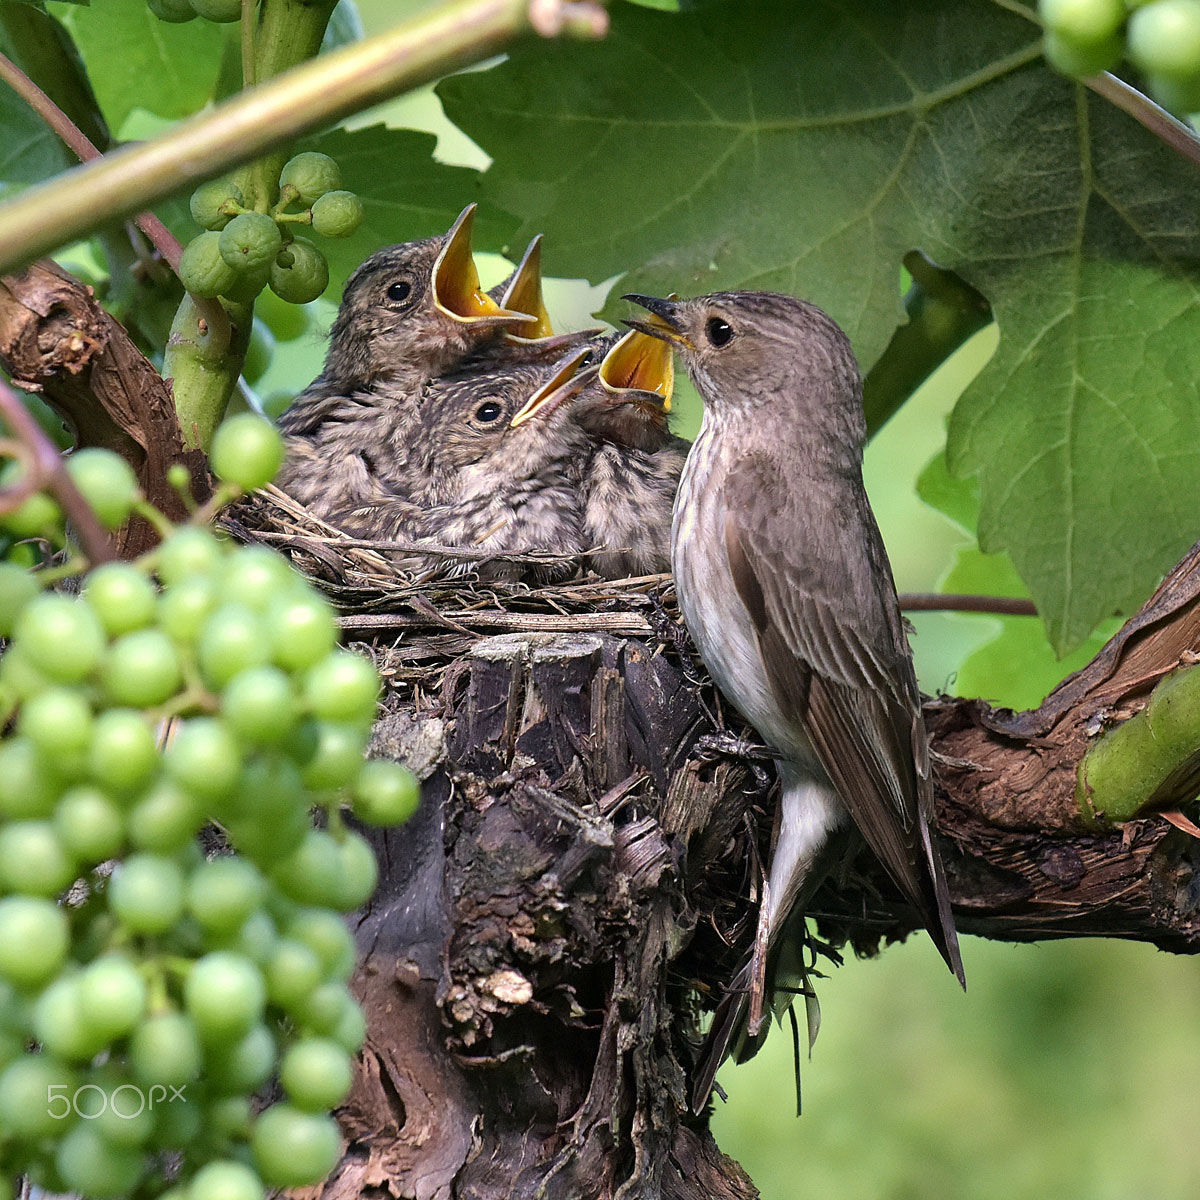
641, 363
456, 289
524, 294
566, 381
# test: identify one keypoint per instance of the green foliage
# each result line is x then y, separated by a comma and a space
1082, 429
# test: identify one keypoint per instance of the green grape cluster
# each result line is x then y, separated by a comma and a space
1160, 37
178, 11
242, 250
147, 990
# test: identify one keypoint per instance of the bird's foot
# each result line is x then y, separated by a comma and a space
712, 746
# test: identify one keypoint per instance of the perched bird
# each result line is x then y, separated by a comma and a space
632, 474
785, 587
410, 312
492, 466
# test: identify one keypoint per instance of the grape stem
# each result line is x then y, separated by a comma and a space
92, 538
1005, 606
431, 44
163, 240
1156, 119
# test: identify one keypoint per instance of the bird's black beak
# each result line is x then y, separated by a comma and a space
639, 368
564, 384
665, 322
456, 289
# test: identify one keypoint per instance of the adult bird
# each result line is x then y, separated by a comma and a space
492, 468
786, 589
631, 476
409, 313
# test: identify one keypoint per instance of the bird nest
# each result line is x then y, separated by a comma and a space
415, 626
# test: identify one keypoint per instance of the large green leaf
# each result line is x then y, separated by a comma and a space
806, 147
406, 192
135, 60
29, 151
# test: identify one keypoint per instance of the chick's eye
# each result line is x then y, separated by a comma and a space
399, 291
488, 412
718, 332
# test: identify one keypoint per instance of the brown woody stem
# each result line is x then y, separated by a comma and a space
1006, 606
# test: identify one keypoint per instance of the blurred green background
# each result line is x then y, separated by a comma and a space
1066, 1071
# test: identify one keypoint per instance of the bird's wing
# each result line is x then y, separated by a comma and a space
812, 571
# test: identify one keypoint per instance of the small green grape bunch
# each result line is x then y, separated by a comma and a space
176, 12
138, 1020
1164, 43
1083, 37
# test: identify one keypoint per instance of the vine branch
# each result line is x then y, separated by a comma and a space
50, 466
1006, 606
323, 90
1153, 117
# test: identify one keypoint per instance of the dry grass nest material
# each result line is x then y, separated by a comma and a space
415, 626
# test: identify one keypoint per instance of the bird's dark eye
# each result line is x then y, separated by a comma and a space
400, 291
488, 412
718, 332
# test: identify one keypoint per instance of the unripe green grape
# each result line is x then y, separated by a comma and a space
210, 198
330, 753
177, 1126
292, 972
231, 1117
293, 1148
302, 630
287, 321
254, 575
385, 793
249, 241
1082, 22
242, 1066
337, 214
26, 789
256, 938
224, 11
164, 1049
145, 893
25, 1086
58, 721
60, 1025
358, 874
224, 995
249, 285
351, 1030
107, 482
233, 640
311, 174
89, 825
121, 596
112, 996
299, 273
204, 758
176, 12
1164, 39
343, 686
33, 859
123, 755
37, 516
62, 637
127, 1119
1078, 59
246, 451
165, 819
186, 553
93, 1167
272, 819
141, 669
259, 352
322, 1011
184, 607
17, 588
326, 935
312, 872
225, 1180
34, 936
223, 892
203, 269
260, 706
1179, 95
316, 1074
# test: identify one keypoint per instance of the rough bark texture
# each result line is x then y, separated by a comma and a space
580, 880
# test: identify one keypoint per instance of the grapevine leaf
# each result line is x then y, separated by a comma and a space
807, 147
135, 60
406, 193
29, 150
